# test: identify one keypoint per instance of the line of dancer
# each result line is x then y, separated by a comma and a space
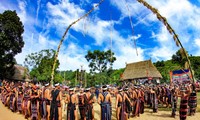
46, 102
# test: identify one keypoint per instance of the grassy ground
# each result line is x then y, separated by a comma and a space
161, 108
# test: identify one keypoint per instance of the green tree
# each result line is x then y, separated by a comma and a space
164, 67
195, 62
99, 60
100, 63
69, 77
178, 58
116, 75
41, 64
11, 41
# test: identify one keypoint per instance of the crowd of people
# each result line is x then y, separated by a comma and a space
44, 101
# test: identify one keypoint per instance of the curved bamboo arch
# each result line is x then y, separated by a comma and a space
171, 31
154, 10
63, 37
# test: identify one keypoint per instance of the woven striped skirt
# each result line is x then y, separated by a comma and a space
192, 102
183, 109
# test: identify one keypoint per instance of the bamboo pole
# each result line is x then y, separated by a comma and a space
63, 37
171, 31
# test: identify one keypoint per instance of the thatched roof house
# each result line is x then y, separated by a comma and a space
21, 74
141, 70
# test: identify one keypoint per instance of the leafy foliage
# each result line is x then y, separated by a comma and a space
179, 58
195, 61
11, 41
41, 64
164, 67
99, 60
177, 62
93, 79
69, 77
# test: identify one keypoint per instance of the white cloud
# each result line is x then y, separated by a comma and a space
129, 7
162, 53
182, 18
98, 29
197, 42
196, 45
38, 9
63, 14
22, 13
72, 57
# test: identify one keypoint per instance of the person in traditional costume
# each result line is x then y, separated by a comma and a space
55, 107
7, 94
89, 100
34, 102
146, 94
174, 98
71, 101
168, 96
154, 100
120, 105
128, 106
192, 102
185, 92
47, 97
81, 104
163, 95
26, 100
42, 102
133, 100
19, 98
3, 94
105, 101
12, 97
142, 101
137, 102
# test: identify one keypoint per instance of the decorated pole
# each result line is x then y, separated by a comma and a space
63, 37
171, 31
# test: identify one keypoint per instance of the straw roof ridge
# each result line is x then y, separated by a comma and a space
20, 73
141, 69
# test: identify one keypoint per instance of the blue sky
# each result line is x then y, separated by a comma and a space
46, 20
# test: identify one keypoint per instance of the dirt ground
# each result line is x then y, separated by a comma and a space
6, 114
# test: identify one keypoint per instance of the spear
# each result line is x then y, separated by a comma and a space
63, 37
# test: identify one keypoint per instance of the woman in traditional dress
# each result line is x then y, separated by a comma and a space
192, 102
137, 102
26, 100
19, 99
12, 97
154, 100
142, 101
174, 98
127, 103
34, 103
185, 92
